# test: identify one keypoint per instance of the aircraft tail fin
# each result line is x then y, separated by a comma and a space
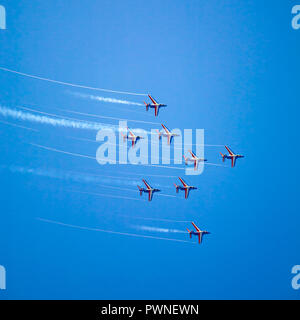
189, 232
186, 160
223, 156
124, 136
159, 134
177, 187
141, 190
147, 106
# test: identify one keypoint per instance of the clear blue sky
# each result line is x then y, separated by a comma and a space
230, 67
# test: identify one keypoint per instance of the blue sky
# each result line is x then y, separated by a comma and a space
230, 67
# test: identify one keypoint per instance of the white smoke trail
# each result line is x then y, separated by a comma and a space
106, 117
161, 230
106, 195
117, 145
166, 195
131, 190
18, 126
151, 175
70, 84
61, 151
94, 158
105, 99
93, 124
153, 219
73, 176
118, 188
68, 123
135, 174
111, 232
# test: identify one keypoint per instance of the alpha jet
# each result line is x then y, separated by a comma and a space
131, 136
199, 233
167, 134
148, 190
194, 159
184, 187
231, 156
154, 105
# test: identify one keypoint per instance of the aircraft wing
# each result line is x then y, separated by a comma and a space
152, 99
130, 132
233, 160
229, 150
187, 192
150, 195
147, 184
166, 129
156, 110
200, 237
196, 227
183, 182
192, 154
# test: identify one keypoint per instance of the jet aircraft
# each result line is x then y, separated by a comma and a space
148, 190
198, 233
154, 105
194, 159
167, 134
231, 156
131, 136
185, 187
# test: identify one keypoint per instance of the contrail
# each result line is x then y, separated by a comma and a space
135, 174
94, 124
71, 175
115, 177
18, 126
64, 152
117, 188
166, 195
153, 219
111, 232
95, 141
131, 190
106, 195
163, 176
70, 84
162, 230
151, 175
214, 164
94, 158
106, 117
207, 145
104, 99
75, 124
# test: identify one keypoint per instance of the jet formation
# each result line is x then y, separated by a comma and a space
193, 158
